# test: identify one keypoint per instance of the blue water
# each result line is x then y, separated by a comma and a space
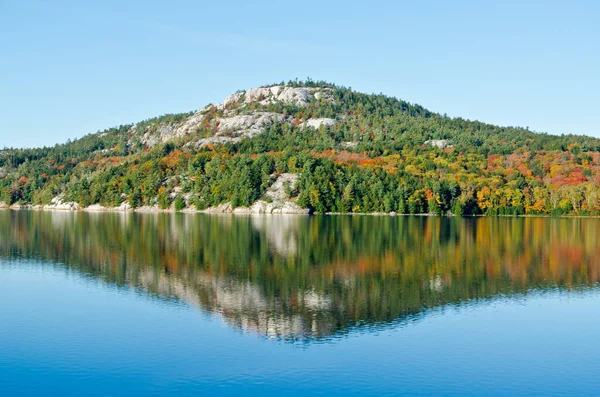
66, 334
78, 320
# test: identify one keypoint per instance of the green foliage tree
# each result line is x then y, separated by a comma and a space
179, 203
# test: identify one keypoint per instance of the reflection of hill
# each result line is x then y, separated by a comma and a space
281, 232
311, 277
242, 304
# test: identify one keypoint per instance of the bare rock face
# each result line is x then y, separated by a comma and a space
277, 190
316, 123
263, 207
349, 145
162, 134
57, 203
219, 209
298, 96
234, 128
96, 208
123, 207
265, 95
248, 125
231, 126
439, 143
192, 122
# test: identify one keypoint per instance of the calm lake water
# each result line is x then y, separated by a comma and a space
174, 304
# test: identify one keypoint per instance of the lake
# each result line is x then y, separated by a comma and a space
194, 304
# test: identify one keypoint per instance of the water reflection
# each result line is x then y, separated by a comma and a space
297, 277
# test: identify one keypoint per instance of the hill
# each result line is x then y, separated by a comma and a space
310, 146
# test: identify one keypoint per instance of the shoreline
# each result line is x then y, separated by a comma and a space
95, 208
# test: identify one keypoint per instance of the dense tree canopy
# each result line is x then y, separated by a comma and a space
376, 157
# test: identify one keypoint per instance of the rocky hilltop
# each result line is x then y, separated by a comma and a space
241, 115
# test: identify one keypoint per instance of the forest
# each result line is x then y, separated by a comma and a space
380, 154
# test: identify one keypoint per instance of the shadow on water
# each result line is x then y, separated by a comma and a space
313, 278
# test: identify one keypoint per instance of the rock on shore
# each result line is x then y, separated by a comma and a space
275, 201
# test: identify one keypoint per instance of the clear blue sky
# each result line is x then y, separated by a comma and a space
68, 68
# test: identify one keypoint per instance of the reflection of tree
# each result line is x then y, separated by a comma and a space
296, 277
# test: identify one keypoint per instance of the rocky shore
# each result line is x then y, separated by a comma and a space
260, 207
275, 201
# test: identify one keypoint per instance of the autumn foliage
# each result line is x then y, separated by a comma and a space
376, 157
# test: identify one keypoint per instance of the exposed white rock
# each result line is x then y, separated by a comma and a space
275, 90
123, 207
263, 207
248, 125
69, 206
240, 122
234, 128
233, 98
162, 134
219, 209
100, 208
231, 125
316, 123
149, 208
96, 208
439, 143
57, 204
349, 145
299, 95
277, 190
228, 129
265, 95
320, 94
192, 122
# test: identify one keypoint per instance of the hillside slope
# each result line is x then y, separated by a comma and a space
337, 151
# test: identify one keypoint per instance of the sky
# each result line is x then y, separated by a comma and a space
69, 68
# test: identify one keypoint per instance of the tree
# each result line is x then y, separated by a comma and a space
135, 198
179, 203
6, 196
164, 201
